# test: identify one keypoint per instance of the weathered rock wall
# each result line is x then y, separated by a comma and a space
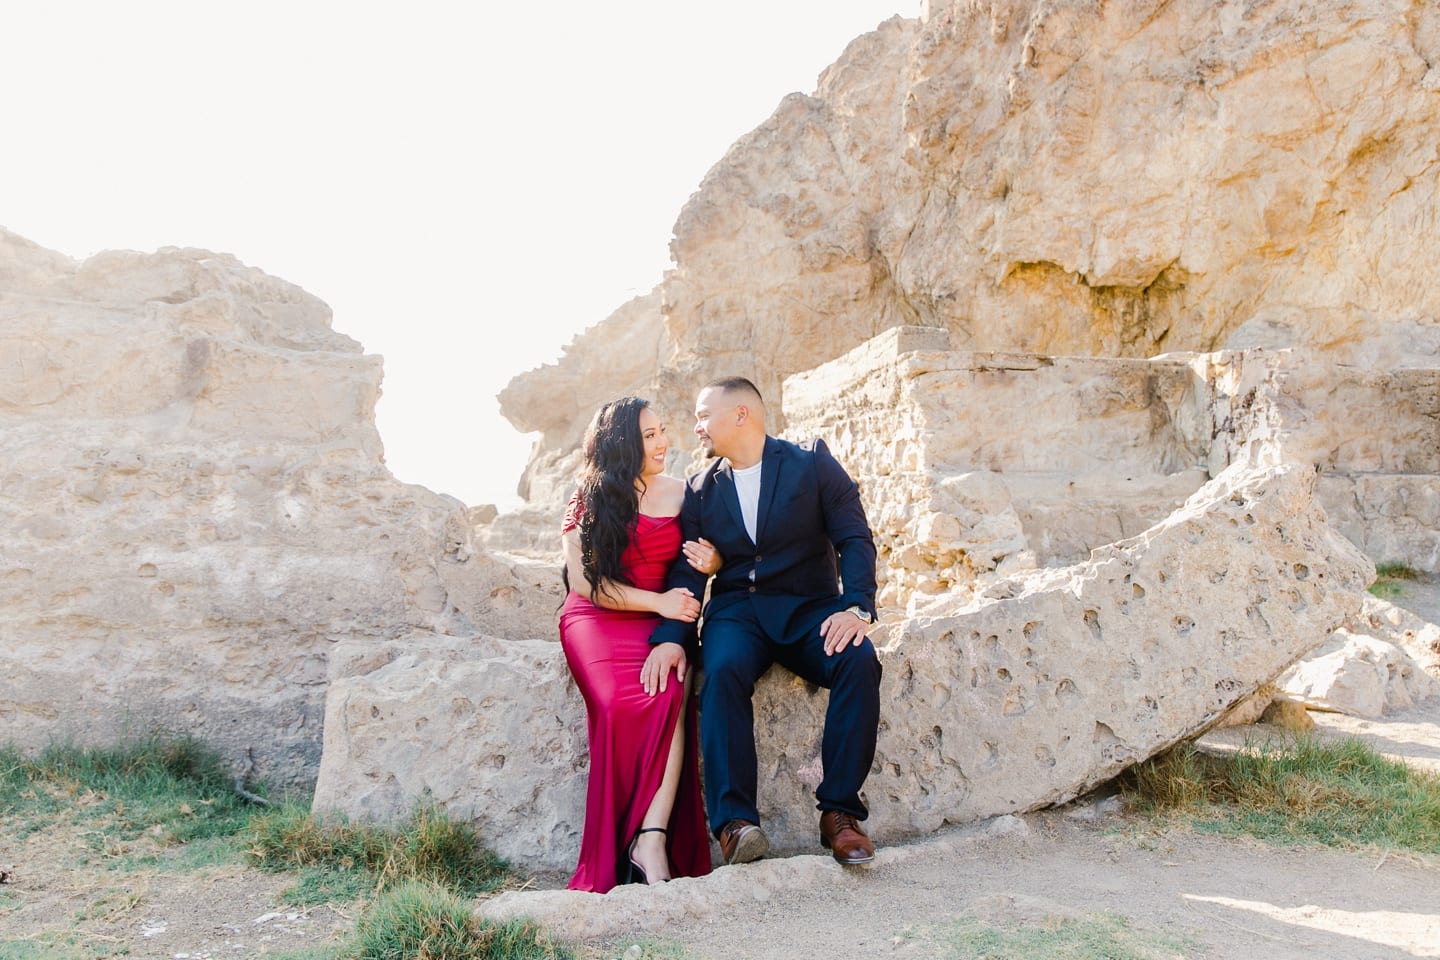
195, 508
1127, 178
1375, 435
1061, 178
973, 461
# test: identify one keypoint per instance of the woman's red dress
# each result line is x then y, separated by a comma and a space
630, 732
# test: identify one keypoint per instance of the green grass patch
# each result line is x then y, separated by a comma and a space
1294, 790
58, 947
428, 846
1099, 937
1390, 579
320, 884
421, 921
171, 804
141, 797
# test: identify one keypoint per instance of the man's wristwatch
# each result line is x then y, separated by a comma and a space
862, 613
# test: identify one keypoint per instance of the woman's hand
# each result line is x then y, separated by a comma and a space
702, 556
678, 604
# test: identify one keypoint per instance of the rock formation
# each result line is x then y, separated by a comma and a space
1158, 243
1068, 178
491, 730
1120, 313
196, 507
1384, 660
1003, 691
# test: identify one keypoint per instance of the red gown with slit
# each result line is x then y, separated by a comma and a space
630, 732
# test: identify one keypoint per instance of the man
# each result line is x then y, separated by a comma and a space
797, 587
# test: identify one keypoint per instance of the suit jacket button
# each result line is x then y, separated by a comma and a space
752, 589
758, 558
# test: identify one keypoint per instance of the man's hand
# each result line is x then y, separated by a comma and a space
678, 603
663, 658
841, 630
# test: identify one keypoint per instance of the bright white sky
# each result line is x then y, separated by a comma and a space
467, 185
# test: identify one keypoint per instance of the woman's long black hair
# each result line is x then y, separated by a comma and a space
614, 458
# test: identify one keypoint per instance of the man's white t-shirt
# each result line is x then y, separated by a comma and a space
747, 485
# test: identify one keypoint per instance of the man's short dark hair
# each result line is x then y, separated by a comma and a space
735, 385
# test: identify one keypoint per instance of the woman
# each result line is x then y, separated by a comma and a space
643, 807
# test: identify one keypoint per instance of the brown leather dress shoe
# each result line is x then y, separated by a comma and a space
840, 833
742, 841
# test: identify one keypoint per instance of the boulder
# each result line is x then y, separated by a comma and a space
1006, 686
491, 730
1384, 660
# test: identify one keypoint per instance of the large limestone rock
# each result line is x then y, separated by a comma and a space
492, 730
1005, 688
1360, 675
971, 461
1383, 660
1053, 681
196, 508
1067, 178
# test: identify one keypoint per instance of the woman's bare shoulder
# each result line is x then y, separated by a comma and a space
665, 496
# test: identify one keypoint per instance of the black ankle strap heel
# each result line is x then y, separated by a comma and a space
635, 873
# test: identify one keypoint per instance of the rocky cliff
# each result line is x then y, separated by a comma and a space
1059, 177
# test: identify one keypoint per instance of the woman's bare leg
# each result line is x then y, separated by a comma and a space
649, 850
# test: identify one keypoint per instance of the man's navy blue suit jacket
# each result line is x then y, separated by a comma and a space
813, 553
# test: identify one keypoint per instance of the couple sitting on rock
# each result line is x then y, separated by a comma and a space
781, 529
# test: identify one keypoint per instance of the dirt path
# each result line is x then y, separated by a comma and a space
1179, 894
1217, 898
94, 910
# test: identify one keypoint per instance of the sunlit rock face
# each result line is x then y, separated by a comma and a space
1061, 179
1007, 685
196, 507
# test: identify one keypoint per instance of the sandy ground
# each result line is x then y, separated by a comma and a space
1178, 894
1205, 897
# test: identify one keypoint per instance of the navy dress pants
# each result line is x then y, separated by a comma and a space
736, 653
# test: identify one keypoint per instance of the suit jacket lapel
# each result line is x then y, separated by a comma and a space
725, 484
769, 482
